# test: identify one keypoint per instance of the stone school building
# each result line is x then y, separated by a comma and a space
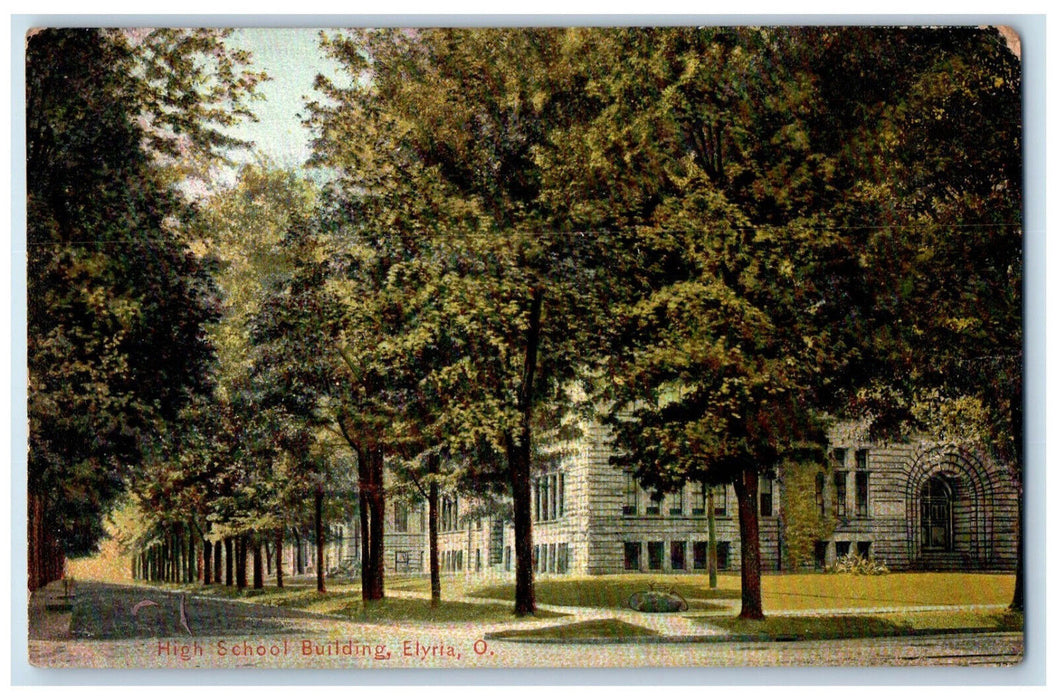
914, 506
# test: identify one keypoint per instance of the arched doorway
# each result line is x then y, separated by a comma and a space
937, 514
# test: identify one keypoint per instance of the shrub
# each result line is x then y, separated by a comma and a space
860, 566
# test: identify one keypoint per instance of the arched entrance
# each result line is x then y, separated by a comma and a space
949, 510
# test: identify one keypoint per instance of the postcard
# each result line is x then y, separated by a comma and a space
493, 347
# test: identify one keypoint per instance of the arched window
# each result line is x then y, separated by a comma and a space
936, 524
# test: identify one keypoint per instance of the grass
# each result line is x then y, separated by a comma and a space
613, 591
345, 600
874, 625
784, 592
591, 629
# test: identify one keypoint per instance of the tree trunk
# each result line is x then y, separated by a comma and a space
372, 527
240, 562
299, 561
519, 451
749, 526
713, 564
377, 526
258, 563
434, 554
207, 562
217, 548
521, 489
229, 562
279, 557
1017, 407
319, 539
267, 558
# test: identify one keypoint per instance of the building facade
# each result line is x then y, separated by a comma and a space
914, 506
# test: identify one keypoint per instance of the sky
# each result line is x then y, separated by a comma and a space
292, 58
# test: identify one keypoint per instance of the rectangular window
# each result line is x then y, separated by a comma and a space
632, 550
536, 499
843, 548
552, 564
766, 496
506, 558
545, 499
820, 491
400, 517
561, 494
535, 557
449, 514
477, 561
719, 500
631, 494
676, 507
862, 494
862, 459
700, 555
722, 555
840, 494
563, 558
697, 500
839, 455
655, 552
679, 555
820, 553
863, 549
653, 506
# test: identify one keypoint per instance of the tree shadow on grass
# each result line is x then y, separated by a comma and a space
107, 611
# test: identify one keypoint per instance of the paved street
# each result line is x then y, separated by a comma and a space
113, 627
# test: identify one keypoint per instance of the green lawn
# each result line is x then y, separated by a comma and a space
780, 592
850, 626
344, 600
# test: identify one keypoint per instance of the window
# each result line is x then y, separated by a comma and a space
535, 557
863, 549
722, 555
563, 558
843, 548
631, 494
632, 550
697, 500
561, 494
655, 552
458, 561
536, 499
700, 555
719, 500
820, 491
545, 498
477, 561
449, 514
506, 558
766, 496
839, 455
676, 507
820, 553
862, 459
551, 557
653, 507
400, 517
840, 494
679, 555
862, 494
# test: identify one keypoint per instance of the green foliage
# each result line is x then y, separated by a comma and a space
859, 566
804, 524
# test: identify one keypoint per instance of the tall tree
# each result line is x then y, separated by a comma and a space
446, 125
